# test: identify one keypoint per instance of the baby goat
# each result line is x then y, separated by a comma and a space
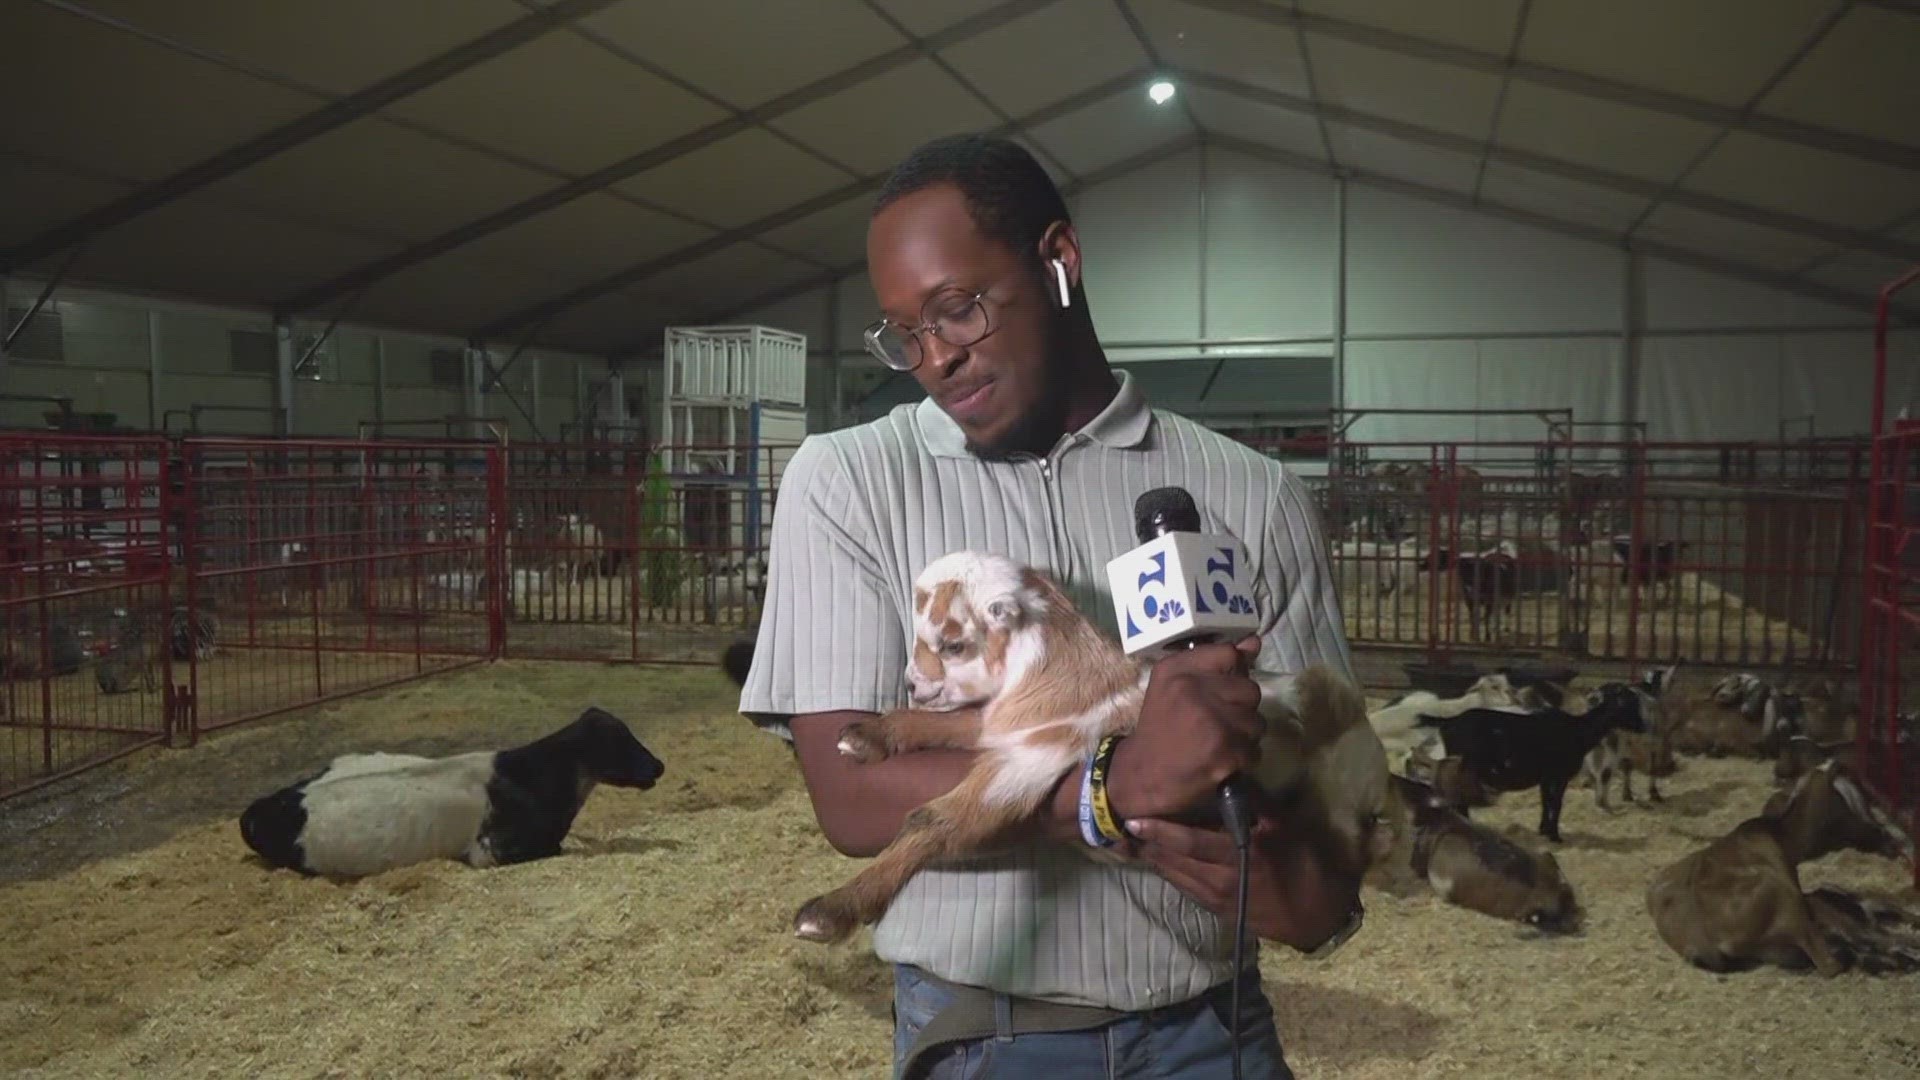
1624, 750
993, 633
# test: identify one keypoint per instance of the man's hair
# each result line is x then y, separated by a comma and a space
1008, 194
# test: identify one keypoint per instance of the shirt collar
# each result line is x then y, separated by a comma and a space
1123, 423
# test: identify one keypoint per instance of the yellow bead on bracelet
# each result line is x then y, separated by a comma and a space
1103, 810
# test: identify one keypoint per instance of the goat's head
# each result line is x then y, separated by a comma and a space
1796, 758
1318, 735
1457, 785
1416, 794
970, 612
1620, 705
1555, 910
1827, 809
1745, 692
1656, 680
1494, 689
1783, 716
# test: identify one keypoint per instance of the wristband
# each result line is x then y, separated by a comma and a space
1088, 830
1097, 785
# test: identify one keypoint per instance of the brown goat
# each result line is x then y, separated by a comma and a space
1478, 868
1737, 902
1744, 715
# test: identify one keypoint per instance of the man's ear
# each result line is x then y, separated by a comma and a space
1060, 241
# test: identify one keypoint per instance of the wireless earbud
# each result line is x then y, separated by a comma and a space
1060, 276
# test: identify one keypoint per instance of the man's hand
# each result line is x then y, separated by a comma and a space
1291, 898
1199, 724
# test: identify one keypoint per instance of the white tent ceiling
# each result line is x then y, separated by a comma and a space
578, 171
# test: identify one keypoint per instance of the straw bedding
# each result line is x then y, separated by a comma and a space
141, 939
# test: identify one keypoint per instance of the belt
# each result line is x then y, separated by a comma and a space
974, 1012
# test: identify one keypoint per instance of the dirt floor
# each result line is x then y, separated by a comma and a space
141, 938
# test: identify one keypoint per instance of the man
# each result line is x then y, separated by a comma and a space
1038, 961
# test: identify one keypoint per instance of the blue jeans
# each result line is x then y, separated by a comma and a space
1180, 1042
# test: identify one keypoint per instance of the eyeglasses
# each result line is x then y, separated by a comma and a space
959, 319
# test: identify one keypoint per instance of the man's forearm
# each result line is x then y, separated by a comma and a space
860, 806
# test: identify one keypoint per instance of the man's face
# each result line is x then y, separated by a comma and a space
925, 259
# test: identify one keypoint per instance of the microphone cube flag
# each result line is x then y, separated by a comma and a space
1182, 585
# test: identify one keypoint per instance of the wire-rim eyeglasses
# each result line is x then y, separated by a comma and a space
964, 321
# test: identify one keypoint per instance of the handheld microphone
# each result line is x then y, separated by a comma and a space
1179, 589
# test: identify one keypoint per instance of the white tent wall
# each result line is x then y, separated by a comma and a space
1446, 308
141, 358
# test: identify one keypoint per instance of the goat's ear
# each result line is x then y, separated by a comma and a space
1003, 612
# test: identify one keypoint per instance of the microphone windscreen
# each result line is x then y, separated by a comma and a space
1164, 510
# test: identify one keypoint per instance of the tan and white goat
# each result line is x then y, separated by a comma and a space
997, 635
1398, 726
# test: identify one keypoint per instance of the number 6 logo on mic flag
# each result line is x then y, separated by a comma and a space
1222, 590
1155, 600
1180, 586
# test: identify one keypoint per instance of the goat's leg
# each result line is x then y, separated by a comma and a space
1601, 773
1802, 930
1626, 776
978, 811
1552, 792
904, 730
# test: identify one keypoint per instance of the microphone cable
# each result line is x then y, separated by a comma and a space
1236, 814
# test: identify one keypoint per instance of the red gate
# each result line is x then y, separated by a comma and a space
1889, 737
84, 601
610, 556
1621, 553
322, 568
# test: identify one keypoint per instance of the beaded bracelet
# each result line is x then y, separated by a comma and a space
1089, 831
1097, 789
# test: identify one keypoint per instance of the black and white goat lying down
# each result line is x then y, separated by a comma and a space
368, 813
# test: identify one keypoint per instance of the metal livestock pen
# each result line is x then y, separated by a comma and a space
267, 574
1609, 552
235, 578
1889, 735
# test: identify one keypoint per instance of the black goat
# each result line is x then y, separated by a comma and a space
1489, 580
1507, 751
1649, 561
1492, 580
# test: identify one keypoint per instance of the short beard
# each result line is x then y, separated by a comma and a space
1034, 433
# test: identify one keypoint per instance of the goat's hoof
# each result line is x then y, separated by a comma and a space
861, 742
819, 920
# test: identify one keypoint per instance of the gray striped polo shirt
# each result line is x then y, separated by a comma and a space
861, 510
